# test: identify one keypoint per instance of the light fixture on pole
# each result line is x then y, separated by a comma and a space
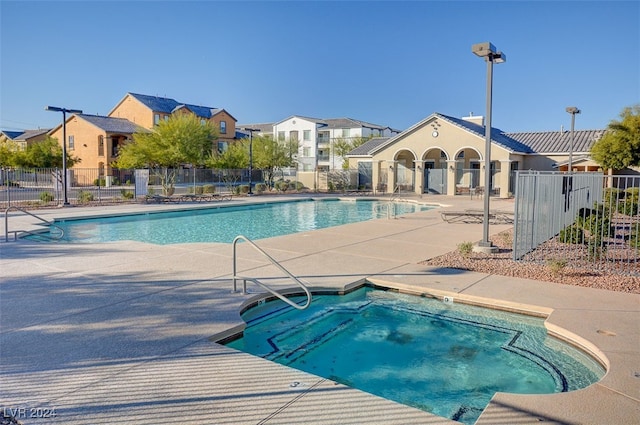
573, 111
490, 54
64, 146
250, 130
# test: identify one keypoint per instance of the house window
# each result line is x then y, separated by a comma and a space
222, 147
156, 119
306, 135
166, 117
345, 132
306, 151
223, 127
101, 145
71, 143
281, 136
203, 122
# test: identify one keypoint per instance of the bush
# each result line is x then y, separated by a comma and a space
99, 182
556, 265
126, 194
261, 187
85, 197
244, 188
282, 185
208, 188
572, 234
46, 197
298, 186
465, 248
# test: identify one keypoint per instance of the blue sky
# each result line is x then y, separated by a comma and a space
389, 63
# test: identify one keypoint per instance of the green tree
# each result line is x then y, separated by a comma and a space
342, 146
182, 139
44, 154
270, 155
232, 160
620, 146
8, 151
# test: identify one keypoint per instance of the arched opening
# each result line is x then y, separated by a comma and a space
435, 171
404, 171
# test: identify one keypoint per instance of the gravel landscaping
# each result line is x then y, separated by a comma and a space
501, 263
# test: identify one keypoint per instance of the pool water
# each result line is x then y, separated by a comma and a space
447, 359
223, 224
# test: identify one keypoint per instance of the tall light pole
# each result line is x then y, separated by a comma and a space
64, 146
488, 52
250, 130
573, 111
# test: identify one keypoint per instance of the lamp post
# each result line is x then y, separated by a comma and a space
250, 130
573, 111
488, 52
64, 145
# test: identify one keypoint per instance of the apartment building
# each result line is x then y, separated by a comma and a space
316, 137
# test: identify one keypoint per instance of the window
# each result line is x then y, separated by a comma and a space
101, 145
166, 117
345, 132
281, 136
203, 122
222, 147
71, 143
223, 127
156, 119
306, 152
306, 135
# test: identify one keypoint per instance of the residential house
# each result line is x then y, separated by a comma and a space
444, 154
147, 111
95, 139
23, 138
316, 137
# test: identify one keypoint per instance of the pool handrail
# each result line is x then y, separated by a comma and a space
15, 232
262, 285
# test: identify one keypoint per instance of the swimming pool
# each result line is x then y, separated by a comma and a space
447, 359
224, 223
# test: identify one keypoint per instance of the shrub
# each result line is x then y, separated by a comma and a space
282, 185
244, 189
572, 234
46, 197
556, 265
85, 197
100, 182
126, 194
298, 186
261, 187
208, 188
465, 248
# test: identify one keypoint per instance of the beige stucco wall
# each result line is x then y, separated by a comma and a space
85, 137
420, 144
135, 111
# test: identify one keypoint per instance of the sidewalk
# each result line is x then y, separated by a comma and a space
121, 332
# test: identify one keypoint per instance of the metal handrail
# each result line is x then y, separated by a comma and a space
262, 285
48, 223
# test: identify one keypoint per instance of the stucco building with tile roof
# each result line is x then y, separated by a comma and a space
444, 154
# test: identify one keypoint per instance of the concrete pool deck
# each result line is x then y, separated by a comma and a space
121, 332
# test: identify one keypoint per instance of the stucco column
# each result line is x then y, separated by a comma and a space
451, 176
505, 177
418, 176
375, 176
391, 176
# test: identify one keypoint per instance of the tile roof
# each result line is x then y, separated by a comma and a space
558, 141
369, 146
11, 134
351, 123
497, 136
111, 125
168, 106
28, 134
314, 120
262, 127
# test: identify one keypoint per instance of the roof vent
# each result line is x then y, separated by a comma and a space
479, 119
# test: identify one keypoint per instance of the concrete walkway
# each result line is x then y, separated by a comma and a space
122, 332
